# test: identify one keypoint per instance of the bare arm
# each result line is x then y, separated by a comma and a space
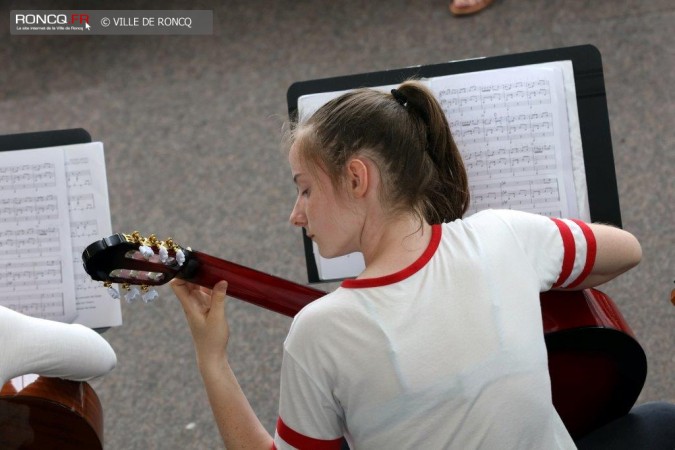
617, 252
239, 427
238, 424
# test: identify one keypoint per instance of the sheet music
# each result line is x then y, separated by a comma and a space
54, 202
518, 132
512, 130
36, 277
89, 221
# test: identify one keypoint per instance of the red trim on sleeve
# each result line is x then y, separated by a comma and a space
569, 249
591, 251
436, 232
302, 442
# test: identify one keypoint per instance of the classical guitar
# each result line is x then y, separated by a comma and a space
597, 367
38, 413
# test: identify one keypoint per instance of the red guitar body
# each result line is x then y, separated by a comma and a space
597, 366
39, 413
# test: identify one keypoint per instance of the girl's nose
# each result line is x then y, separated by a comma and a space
297, 217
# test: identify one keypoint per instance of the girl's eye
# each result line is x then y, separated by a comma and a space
305, 193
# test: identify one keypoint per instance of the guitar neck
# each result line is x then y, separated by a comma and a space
250, 285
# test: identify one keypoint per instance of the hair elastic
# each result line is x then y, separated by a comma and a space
400, 98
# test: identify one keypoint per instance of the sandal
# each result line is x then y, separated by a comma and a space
469, 9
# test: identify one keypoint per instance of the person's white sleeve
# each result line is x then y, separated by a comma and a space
30, 345
562, 251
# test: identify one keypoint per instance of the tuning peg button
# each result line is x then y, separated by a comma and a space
132, 295
150, 296
163, 254
180, 257
113, 292
146, 251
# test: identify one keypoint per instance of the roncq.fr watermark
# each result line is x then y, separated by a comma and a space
111, 22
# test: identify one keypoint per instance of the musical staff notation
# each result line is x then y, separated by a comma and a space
81, 202
89, 220
488, 96
30, 241
79, 178
49, 212
515, 160
503, 127
24, 176
527, 192
82, 228
17, 275
46, 305
33, 232
22, 209
512, 134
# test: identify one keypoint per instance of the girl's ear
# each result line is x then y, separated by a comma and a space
358, 177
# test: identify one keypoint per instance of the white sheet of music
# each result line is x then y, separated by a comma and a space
518, 132
89, 221
74, 191
36, 276
511, 126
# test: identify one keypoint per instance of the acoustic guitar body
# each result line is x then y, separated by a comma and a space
597, 367
40, 413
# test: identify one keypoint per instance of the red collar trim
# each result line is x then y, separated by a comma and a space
401, 275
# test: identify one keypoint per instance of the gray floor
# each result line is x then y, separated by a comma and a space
191, 130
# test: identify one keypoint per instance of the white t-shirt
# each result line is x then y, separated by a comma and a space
448, 353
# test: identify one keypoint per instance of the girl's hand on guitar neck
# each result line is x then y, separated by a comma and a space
206, 315
205, 312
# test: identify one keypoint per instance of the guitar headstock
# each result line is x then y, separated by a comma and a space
131, 259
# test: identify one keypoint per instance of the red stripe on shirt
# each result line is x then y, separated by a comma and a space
301, 442
591, 251
569, 250
436, 233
